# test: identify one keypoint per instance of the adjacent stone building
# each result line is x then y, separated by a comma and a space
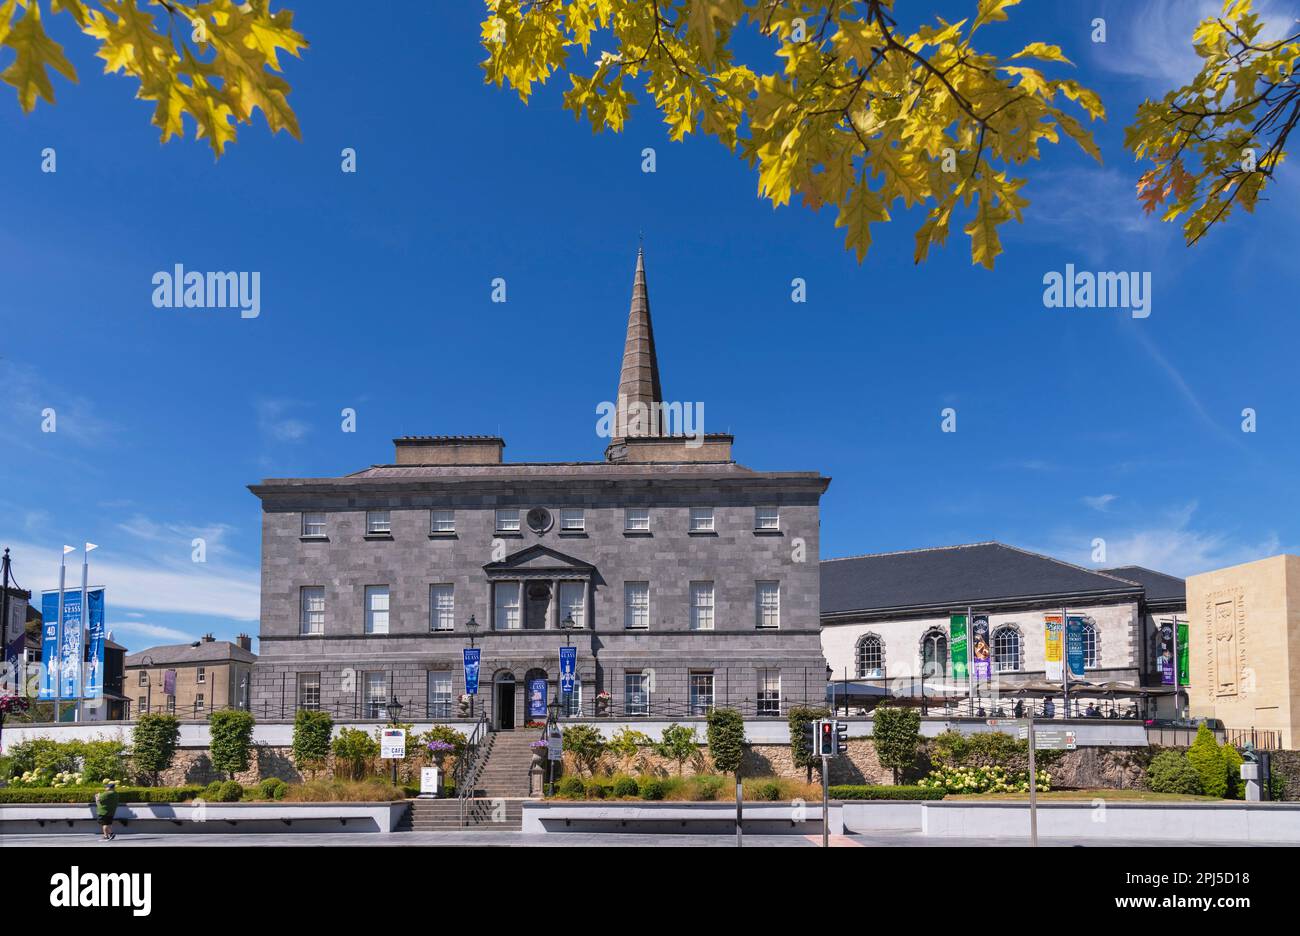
190, 680
887, 617
685, 580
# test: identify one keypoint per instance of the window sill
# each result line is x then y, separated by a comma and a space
314, 539
573, 534
701, 532
768, 533
446, 534
378, 536
638, 533
509, 534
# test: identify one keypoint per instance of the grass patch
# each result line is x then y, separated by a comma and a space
370, 790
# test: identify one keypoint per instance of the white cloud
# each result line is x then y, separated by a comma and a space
1101, 502
274, 422
156, 631
166, 583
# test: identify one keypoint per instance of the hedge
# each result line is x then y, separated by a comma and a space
864, 792
87, 794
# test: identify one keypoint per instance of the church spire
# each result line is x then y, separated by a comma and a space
638, 382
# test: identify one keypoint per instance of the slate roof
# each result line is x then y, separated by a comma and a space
949, 578
213, 651
1159, 586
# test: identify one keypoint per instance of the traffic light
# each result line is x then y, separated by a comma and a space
808, 745
826, 737
841, 737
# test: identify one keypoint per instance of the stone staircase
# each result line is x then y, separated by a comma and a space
499, 791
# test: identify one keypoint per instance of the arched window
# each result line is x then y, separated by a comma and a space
1090, 655
871, 657
934, 655
1006, 650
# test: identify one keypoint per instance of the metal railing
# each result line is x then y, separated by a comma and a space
469, 764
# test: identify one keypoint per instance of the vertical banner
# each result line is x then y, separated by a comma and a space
568, 666
169, 682
1053, 636
1167, 653
49, 685
957, 645
72, 649
95, 638
983, 653
1074, 646
15, 635
1184, 671
537, 698
471, 670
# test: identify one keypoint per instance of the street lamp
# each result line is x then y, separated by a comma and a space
394, 712
567, 625
471, 627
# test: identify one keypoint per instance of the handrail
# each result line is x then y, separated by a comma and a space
469, 764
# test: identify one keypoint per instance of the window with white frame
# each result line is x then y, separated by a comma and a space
767, 604
572, 704
636, 519
439, 695
508, 520
507, 606
442, 521
934, 654
143, 678
198, 702
202, 675
701, 693
767, 518
378, 523
636, 605
573, 602
1089, 645
313, 609
572, 520
1006, 650
309, 691
870, 656
313, 523
701, 520
442, 607
376, 609
376, 701
769, 692
701, 606
636, 693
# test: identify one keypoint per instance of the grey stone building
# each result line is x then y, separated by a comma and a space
685, 580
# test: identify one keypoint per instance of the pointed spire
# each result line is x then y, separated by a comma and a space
638, 382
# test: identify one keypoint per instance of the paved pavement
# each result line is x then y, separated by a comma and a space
567, 839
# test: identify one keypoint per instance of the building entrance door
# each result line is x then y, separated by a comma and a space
505, 703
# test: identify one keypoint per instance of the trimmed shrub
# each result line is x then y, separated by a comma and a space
231, 733
311, 739
1171, 772
572, 788
726, 735
798, 719
897, 735
679, 745
768, 790
1232, 761
87, 794
868, 792
626, 786
1206, 758
652, 788
230, 792
154, 741
212, 792
272, 788
103, 760
596, 789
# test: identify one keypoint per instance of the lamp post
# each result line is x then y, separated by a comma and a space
552, 724
394, 712
471, 628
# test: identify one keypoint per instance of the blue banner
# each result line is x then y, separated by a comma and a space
71, 646
48, 688
537, 698
568, 665
95, 645
471, 670
1074, 646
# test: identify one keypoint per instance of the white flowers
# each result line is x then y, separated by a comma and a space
993, 779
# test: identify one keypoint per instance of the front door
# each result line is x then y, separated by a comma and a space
505, 705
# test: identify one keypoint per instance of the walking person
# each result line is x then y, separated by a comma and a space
106, 808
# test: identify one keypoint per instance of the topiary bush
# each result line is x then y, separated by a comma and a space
272, 788
231, 738
768, 791
897, 735
1206, 758
153, 743
1232, 761
726, 735
708, 786
311, 739
1171, 772
212, 792
572, 788
652, 788
625, 787
230, 792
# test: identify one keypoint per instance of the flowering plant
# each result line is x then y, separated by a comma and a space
994, 779
440, 747
538, 744
13, 704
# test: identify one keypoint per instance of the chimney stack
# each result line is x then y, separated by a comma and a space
449, 450
208, 638
245, 642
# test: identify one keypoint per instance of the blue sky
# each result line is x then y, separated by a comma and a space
1072, 424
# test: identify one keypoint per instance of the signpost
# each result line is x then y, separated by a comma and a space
392, 744
428, 781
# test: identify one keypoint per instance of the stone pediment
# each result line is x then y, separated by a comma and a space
540, 560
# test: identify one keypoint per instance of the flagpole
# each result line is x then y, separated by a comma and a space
970, 659
84, 623
1065, 663
58, 647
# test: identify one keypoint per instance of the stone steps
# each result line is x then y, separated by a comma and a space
481, 814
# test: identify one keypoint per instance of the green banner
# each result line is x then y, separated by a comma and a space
957, 644
1183, 671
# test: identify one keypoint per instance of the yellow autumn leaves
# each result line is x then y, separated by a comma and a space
860, 116
215, 61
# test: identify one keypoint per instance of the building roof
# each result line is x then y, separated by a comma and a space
949, 578
210, 651
1159, 586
